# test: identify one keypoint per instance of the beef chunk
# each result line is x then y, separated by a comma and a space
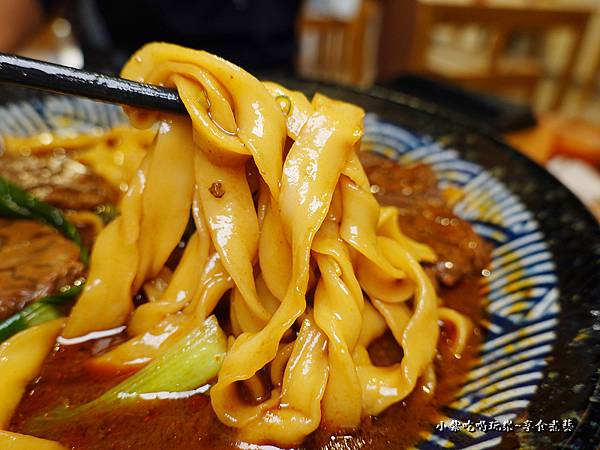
58, 180
425, 217
35, 260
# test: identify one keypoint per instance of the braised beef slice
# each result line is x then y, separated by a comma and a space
35, 260
58, 180
425, 217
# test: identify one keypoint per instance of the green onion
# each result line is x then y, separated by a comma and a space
285, 103
15, 203
107, 213
189, 364
40, 311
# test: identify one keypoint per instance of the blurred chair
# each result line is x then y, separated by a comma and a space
338, 50
590, 84
409, 25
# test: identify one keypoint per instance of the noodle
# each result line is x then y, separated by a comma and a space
21, 358
315, 268
16, 441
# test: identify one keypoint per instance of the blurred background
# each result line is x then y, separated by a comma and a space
528, 70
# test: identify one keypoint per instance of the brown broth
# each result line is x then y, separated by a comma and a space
191, 424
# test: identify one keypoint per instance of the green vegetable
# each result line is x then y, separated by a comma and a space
285, 103
40, 311
16, 203
189, 364
107, 213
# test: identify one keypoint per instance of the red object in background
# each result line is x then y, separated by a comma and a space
579, 139
570, 149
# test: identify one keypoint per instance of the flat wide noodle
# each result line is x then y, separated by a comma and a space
21, 358
16, 441
297, 249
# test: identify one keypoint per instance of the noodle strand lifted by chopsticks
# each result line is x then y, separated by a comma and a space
295, 251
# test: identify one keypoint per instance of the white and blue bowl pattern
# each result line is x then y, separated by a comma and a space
521, 293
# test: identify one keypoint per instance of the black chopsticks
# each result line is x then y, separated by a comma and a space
66, 80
